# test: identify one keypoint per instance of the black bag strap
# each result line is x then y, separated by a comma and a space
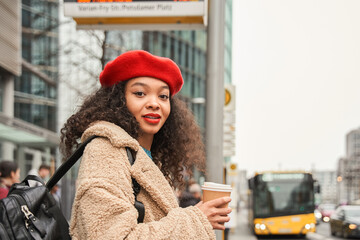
136, 186
64, 168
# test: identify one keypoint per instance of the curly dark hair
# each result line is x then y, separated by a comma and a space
176, 148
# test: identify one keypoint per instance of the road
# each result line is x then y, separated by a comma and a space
242, 231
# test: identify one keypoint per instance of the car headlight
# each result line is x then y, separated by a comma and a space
318, 215
326, 219
352, 226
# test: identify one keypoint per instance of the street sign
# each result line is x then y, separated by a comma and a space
137, 15
232, 169
229, 122
229, 98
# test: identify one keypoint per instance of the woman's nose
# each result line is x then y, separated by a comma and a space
153, 103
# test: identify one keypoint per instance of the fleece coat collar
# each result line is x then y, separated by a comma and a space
147, 175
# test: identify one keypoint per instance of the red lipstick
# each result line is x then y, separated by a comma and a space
152, 118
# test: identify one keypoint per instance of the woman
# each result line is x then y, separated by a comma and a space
9, 174
136, 107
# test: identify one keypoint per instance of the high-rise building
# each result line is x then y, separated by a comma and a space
36, 89
348, 170
353, 143
28, 82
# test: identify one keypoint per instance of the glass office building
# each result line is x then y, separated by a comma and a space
28, 112
228, 42
36, 96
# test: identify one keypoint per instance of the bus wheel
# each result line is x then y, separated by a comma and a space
259, 236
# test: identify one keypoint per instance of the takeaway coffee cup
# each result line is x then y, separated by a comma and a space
215, 190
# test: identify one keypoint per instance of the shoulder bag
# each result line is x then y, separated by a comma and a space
32, 213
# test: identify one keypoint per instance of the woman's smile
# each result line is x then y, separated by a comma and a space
152, 118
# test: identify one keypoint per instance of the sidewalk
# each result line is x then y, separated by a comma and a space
242, 230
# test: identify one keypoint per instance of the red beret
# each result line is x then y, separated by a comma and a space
139, 63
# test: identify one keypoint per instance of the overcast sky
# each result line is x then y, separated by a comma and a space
297, 70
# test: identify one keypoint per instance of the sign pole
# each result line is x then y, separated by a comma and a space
215, 94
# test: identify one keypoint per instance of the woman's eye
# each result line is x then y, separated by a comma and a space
164, 96
140, 94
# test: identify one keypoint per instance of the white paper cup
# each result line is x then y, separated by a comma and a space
213, 191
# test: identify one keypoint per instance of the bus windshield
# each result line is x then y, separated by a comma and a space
283, 196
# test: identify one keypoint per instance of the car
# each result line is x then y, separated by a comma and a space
345, 221
326, 210
318, 216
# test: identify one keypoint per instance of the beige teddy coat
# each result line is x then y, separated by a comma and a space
104, 202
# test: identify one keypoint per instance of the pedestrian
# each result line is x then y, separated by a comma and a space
43, 172
55, 192
195, 190
191, 196
9, 174
137, 107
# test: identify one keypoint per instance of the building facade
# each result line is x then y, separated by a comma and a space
348, 176
28, 82
327, 182
353, 143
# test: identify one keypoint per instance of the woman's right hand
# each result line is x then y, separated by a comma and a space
215, 214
